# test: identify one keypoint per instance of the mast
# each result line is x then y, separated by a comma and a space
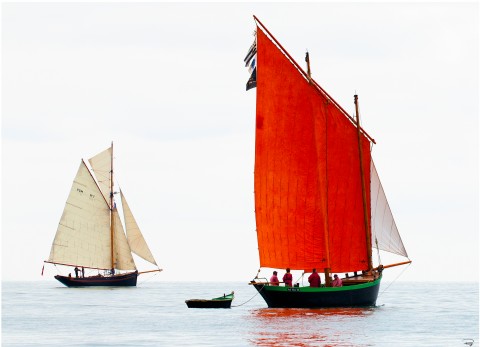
368, 236
111, 211
309, 72
326, 270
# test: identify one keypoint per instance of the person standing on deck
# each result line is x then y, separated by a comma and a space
274, 279
287, 278
76, 271
314, 279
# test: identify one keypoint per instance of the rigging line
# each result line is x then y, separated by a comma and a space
378, 251
258, 292
300, 277
148, 279
396, 278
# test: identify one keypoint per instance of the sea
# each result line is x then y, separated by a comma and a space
46, 313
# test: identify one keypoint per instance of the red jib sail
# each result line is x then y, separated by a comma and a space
308, 188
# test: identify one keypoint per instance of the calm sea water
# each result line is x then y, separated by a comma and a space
154, 314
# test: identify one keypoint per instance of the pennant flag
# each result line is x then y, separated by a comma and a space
251, 63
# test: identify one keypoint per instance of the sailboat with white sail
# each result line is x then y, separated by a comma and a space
90, 234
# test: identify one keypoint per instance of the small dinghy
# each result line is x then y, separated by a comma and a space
224, 301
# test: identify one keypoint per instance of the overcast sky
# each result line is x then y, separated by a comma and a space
166, 83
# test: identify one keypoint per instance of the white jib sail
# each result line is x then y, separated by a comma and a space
123, 255
135, 238
384, 229
83, 234
102, 165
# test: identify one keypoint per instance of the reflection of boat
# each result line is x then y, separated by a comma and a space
319, 202
274, 314
224, 301
308, 327
90, 234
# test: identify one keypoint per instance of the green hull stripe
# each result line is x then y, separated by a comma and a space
321, 289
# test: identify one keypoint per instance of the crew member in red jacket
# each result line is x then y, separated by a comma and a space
314, 279
287, 278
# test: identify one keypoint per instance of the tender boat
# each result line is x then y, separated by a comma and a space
224, 301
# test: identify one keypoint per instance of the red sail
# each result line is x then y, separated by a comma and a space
308, 193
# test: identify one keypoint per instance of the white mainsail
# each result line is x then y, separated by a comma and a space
83, 234
384, 229
135, 238
102, 167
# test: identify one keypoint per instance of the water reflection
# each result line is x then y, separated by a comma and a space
309, 327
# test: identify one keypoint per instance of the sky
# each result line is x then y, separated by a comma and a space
166, 83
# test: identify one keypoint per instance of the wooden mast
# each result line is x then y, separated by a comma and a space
111, 211
309, 72
368, 237
326, 270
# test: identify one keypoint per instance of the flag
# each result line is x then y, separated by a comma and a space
251, 63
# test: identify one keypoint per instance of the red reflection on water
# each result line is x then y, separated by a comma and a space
305, 327
276, 313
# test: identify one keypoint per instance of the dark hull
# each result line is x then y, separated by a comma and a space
124, 280
196, 303
358, 295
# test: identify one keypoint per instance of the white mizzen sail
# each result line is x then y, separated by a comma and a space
83, 234
135, 238
384, 229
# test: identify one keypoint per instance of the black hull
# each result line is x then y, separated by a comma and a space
194, 303
358, 295
124, 280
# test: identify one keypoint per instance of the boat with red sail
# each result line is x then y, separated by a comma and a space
319, 203
91, 237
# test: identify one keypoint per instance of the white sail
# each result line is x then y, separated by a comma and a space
384, 229
135, 238
123, 255
102, 165
83, 234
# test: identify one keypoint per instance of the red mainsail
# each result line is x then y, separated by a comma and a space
308, 187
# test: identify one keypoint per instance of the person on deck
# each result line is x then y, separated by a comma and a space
337, 282
76, 271
83, 272
314, 279
287, 278
274, 279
